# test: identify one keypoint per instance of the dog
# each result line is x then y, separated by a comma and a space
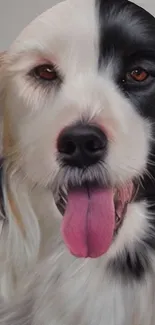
77, 242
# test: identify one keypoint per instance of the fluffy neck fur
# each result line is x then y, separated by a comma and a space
20, 250
65, 290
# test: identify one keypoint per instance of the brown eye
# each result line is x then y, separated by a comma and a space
45, 72
138, 75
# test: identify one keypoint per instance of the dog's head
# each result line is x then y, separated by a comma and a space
80, 96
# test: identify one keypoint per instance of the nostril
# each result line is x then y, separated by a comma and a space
67, 147
93, 145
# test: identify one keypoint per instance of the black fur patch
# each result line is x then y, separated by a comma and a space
131, 266
127, 41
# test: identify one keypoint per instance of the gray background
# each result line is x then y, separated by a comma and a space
16, 14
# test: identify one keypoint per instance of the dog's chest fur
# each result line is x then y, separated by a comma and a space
83, 292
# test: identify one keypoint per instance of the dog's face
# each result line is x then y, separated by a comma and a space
81, 93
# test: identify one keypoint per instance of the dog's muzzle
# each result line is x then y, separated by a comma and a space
93, 211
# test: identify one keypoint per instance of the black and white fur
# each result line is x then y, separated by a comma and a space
93, 43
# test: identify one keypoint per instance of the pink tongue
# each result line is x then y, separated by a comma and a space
89, 222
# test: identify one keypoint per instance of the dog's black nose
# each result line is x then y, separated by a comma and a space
82, 145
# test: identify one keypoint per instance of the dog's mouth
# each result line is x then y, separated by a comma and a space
92, 217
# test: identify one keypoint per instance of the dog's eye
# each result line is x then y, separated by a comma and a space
45, 72
137, 74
